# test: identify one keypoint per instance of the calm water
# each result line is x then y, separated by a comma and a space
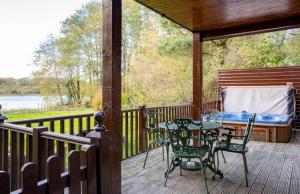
20, 102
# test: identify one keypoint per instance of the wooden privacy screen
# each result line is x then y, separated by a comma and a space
263, 77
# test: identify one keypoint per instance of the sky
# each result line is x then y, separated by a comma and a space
26, 23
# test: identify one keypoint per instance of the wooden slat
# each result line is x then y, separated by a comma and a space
20, 153
87, 157
53, 170
123, 135
5, 150
4, 183
80, 125
88, 123
28, 145
126, 134
136, 132
1, 149
61, 146
131, 133
39, 151
29, 179
71, 131
74, 172
50, 143
14, 171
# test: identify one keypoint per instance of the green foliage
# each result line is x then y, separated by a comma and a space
22, 86
156, 57
176, 46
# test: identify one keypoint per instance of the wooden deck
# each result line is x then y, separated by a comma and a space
273, 167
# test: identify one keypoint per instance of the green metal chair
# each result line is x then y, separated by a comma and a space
155, 135
241, 148
184, 150
212, 116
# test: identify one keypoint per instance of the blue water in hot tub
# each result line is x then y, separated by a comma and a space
276, 119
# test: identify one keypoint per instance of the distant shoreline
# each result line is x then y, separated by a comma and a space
3, 95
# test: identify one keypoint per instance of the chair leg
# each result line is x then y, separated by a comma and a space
146, 158
223, 157
246, 164
168, 171
180, 160
218, 160
245, 169
163, 152
204, 176
214, 160
167, 148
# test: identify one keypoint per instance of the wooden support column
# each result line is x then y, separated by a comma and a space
197, 75
112, 84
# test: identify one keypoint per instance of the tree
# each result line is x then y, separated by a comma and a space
46, 58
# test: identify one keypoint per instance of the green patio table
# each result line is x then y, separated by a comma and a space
207, 126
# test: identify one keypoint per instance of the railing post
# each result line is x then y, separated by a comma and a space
102, 138
39, 152
143, 130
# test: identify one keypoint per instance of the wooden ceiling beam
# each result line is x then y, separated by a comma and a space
256, 28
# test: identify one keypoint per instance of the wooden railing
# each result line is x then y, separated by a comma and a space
30, 146
55, 181
211, 105
135, 139
74, 124
26, 151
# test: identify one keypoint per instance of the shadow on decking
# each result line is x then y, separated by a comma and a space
273, 167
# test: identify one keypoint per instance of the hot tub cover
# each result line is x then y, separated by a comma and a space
259, 99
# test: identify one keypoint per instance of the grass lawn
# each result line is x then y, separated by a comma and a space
15, 115
33, 114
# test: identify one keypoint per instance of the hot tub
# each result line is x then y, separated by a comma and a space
267, 127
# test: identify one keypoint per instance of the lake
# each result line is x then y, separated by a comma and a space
21, 102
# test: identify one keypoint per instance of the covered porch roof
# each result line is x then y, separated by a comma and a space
207, 20
227, 18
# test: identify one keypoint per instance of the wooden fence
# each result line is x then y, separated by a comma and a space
79, 178
26, 151
32, 145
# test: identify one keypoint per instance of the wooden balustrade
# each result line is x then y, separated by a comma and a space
133, 127
79, 178
211, 105
28, 151
73, 124
135, 140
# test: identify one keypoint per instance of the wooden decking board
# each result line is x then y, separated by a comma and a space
260, 182
252, 175
273, 167
237, 171
273, 179
295, 179
285, 176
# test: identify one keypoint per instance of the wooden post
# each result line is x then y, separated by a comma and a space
143, 130
103, 139
4, 182
197, 75
112, 19
39, 152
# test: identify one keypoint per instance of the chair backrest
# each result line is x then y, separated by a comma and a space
151, 118
154, 132
248, 130
181, 136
